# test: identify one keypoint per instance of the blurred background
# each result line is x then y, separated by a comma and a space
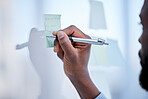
32, 71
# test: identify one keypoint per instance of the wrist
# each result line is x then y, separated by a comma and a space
78, 74
84, 85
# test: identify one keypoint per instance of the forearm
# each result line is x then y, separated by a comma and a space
84, 85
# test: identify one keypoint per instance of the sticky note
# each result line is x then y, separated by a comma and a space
107, 55
98, 56
52, 23
115, 56
97, 15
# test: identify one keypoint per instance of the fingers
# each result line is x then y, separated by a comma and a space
65, 43
56, 46
60, 53
58, 49
73, 31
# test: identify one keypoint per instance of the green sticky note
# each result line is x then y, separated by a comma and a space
98, 56
115, 56
52, 23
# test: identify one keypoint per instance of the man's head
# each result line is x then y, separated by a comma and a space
143, 53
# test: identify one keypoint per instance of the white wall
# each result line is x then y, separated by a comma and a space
20, 79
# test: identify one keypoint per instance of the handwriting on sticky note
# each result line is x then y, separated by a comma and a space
52, 23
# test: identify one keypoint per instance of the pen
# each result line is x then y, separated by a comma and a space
98, 41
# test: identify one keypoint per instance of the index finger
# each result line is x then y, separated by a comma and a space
73, 31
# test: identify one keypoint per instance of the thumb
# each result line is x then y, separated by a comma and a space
65, 43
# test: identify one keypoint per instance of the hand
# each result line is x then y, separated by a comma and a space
74, 55
75, 58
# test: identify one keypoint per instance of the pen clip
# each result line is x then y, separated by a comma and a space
101, 40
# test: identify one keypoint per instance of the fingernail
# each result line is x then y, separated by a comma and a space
60, 35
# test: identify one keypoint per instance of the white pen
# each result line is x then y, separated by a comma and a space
84, 40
